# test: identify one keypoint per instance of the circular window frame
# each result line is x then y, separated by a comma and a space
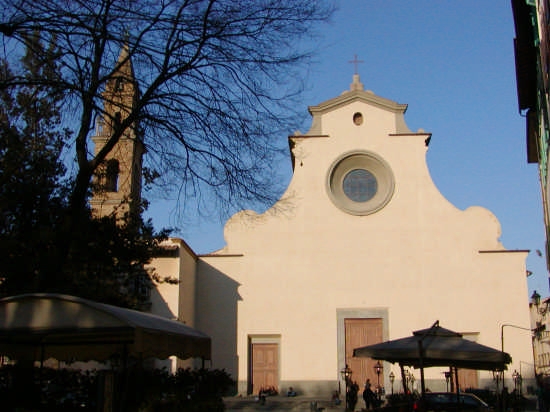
360, 160
358, 118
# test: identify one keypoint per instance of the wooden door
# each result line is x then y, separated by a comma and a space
363, 332
265, 366
467, 379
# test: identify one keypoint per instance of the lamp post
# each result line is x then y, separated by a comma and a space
392, 379
502, 333
496, 378
535, 298
515, 377
346, 375
378, 369
447, 378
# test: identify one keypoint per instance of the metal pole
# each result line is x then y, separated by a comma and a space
502, 345
378, 383
347, 394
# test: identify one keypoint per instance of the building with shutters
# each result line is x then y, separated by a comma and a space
532, 56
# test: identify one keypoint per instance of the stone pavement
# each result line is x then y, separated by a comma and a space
281, 403
304, 403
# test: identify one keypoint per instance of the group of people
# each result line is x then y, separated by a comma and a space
369, 396
265, 392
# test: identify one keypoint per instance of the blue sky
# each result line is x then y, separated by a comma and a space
452, 62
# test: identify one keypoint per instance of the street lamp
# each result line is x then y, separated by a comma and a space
535, 298
378, 369
392, 378
515, 377
447, 378
346, 375
517, 382
496, 378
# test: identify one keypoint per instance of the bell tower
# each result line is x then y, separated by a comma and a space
117, 181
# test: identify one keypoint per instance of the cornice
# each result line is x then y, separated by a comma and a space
357, 95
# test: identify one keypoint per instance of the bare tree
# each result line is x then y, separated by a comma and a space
217, 79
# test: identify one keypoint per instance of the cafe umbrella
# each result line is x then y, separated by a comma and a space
436, 346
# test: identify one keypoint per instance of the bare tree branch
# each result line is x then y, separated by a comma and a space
216, 78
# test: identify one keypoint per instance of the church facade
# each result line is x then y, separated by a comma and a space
361, 248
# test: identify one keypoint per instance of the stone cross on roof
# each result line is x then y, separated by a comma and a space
356, 85
356, 62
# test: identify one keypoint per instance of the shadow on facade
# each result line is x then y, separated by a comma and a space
216, 315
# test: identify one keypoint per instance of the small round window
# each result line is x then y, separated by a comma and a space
360, 185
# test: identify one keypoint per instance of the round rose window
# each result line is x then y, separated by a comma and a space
360, 183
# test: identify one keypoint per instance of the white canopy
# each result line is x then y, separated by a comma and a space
42, 326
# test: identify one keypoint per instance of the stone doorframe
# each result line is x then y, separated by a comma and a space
356, 313
259, 338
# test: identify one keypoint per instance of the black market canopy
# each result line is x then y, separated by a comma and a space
436, 346
42, 326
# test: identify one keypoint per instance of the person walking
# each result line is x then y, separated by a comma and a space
352, 396
368, 395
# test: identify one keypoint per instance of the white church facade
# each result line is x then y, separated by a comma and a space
361, 248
